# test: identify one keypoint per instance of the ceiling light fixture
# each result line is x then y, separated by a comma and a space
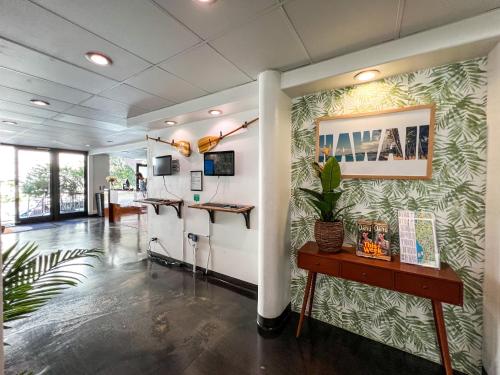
170, 122
98, 58
7, 122
87, 145
215, 112
366, 75
39, 102
206, 1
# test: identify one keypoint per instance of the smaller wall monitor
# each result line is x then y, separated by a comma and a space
219, 163
162, 165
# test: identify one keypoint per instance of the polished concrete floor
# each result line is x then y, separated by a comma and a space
131, 316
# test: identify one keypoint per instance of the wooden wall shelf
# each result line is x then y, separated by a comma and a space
156, 203
211, 208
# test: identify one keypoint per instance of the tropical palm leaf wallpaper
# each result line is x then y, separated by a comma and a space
455, 195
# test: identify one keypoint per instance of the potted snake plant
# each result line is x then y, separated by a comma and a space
329, 228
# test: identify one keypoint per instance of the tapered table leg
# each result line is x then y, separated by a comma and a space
304, 302
313, 287
437, 309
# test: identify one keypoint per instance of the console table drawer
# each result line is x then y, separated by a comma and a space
367, 274
436, 289
319, 264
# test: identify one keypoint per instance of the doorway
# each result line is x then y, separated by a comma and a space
39, 184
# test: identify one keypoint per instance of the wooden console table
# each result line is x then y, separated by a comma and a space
439, 286
156, 203
211, 208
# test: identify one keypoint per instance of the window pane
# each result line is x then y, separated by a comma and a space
71, 183
34, 183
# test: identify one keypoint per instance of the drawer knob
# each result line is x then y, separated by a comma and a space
425, 287
318, 263
363, 274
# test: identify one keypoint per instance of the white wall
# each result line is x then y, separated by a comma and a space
98, 170
491, 343
234, 247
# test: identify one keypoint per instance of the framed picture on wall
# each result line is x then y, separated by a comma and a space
389, 144
196, 180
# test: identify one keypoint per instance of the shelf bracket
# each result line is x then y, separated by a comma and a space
211, 213
246, 215
157, 208
177, 208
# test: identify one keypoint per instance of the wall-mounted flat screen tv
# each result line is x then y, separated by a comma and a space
162, 165
219, 163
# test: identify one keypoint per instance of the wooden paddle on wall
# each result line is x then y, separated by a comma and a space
209, 142
184, 147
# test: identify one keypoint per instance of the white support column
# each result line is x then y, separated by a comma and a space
491, 312
274, 198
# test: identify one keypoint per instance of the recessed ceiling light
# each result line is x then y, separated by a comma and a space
206, 1
366, 75
39, 102
98, 58
215, 112
170, 122
9, 122
87, 145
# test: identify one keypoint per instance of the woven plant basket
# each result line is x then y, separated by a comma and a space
329, 235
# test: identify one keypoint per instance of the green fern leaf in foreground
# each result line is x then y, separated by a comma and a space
30, 279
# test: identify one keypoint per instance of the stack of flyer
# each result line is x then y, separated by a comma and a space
417, 238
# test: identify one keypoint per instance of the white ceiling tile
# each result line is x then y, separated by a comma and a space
82, 129
139, 26
38, 86
109, 106
136, 111
207, 68
166, 85
26, 109
95, 115
32, 26
135, 97
267, 43
426, 14
209, 20
16, 57
88, 121
20, 117
333, 28
22, 97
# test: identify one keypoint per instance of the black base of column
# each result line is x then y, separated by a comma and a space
273, 326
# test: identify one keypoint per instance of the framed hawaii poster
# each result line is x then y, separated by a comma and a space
389, 144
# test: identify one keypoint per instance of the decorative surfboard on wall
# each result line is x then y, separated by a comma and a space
183, 147
389, 144
209, 142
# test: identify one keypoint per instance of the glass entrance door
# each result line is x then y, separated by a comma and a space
7, 185
34, 191
71, 183
41, 184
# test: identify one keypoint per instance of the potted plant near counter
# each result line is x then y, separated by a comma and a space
329, 228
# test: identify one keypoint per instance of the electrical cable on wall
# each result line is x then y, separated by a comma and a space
209, 252
166, 189
216, 190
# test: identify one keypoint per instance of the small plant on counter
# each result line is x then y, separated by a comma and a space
329, 229
111, 180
